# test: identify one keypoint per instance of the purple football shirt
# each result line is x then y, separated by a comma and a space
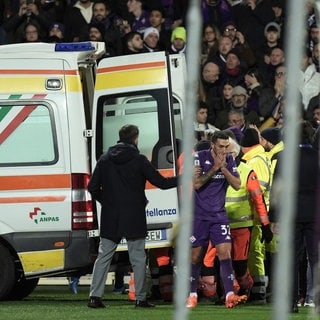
210, 198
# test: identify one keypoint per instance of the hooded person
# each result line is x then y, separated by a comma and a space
235, 68
272, 135
149, 31
239, 97
94, 29
250, 138
151, 39
227, 26
56, 32
239, 101
255, 157
97, 32
178, 40
271, 140
236, 52
272, 26
239, 91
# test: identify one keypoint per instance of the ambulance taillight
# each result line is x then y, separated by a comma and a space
82, 206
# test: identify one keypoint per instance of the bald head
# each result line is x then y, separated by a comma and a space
210, 72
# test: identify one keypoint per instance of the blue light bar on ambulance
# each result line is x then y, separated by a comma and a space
74, 46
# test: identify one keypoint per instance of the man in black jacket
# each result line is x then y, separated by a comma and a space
306, 207
306, 220
118, 183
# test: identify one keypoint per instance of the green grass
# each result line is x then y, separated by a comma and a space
55, 303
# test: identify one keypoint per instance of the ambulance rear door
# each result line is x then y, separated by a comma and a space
136, 89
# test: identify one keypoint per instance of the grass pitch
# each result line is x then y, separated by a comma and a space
49, 302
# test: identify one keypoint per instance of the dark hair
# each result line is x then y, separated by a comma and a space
276, 47
219, 135
158, 8
211, 25
307, 52
199, 135
229, 82
316, 139
128, 133
99, 26
202, 105
317, 106
314, 26
106, 3
254, 71
32, 23
129, 36
230, 134
307, 132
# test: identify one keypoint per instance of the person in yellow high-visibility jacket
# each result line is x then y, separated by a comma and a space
271, 140
241, 206
254, 155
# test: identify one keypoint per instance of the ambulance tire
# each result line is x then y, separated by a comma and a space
7, 272
22, 288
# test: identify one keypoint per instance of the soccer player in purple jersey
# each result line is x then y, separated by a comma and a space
215, 170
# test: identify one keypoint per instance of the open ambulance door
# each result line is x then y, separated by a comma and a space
137, 90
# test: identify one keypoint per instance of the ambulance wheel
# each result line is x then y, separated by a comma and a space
7, 272
22, 288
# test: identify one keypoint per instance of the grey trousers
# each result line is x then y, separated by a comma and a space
137, 256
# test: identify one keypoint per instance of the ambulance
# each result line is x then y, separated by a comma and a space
60, 110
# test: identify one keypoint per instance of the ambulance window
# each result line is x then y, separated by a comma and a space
149, 110
138, 110
27, 135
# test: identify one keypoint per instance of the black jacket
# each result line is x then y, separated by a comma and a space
118, 183
307, 184
74, 23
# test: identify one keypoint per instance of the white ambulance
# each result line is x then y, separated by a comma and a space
58, 113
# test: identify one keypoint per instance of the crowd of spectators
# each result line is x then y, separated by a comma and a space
242, 45
242, 42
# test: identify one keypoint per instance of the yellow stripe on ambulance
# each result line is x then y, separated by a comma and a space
42, 261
